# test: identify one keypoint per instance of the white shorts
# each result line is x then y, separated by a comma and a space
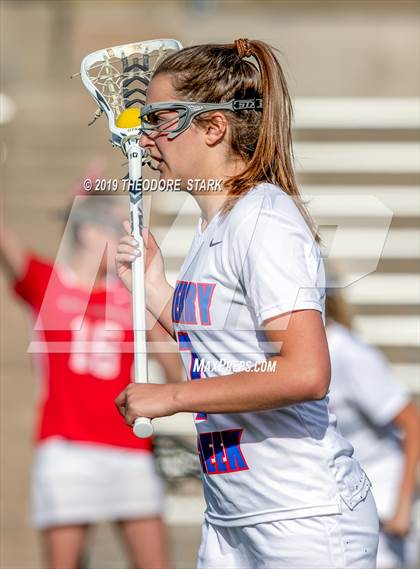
77, 483
346, 540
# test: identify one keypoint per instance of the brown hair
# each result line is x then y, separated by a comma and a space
218, 73
337, 309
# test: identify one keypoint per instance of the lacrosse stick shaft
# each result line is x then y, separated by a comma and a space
142, 426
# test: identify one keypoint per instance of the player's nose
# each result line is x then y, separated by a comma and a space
146, 141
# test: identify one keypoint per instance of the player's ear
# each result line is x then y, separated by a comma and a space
215, 127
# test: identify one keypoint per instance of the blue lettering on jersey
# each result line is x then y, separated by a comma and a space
205, 295
185, 344
220, 452
183, 305
187, 297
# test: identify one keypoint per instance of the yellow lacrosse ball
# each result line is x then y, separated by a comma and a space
129, 118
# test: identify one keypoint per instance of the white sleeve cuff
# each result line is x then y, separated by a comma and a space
278, 309
387, 413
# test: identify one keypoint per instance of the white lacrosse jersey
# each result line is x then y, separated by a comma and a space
366, 397
257, 262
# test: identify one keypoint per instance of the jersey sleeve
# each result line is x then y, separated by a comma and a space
279, 264
372, 385
32, 285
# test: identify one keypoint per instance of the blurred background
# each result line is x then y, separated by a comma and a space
353, 71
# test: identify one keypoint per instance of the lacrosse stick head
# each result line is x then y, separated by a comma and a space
118, 77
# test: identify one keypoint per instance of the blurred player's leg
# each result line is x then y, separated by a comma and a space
146, 540
64, 546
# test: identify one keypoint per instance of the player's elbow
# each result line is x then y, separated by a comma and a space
320, 391
318, 383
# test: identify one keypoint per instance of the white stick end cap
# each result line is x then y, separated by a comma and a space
143, 428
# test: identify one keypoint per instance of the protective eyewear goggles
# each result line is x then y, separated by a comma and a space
173, 117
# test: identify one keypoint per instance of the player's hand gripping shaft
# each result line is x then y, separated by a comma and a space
158, 292
128, 251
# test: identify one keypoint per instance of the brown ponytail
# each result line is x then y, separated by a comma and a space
219, 73
337, 309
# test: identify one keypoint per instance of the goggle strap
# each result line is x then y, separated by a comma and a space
247, 104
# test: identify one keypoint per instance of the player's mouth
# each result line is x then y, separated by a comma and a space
160, 162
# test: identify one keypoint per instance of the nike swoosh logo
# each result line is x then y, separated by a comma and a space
213, 243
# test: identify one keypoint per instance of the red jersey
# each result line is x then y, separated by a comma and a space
84, 341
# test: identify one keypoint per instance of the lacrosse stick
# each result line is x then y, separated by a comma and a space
117, 78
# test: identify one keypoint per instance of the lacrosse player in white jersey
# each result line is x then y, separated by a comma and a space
384, 436
281, 486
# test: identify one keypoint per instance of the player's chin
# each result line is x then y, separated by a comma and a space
162, 168
166, 174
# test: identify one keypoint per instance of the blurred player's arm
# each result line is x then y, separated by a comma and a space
369, 373
407, 421
12, 254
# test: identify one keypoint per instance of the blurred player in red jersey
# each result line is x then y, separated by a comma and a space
88, 465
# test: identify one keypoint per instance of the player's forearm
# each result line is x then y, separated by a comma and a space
411, 455
159, 303
253, 391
